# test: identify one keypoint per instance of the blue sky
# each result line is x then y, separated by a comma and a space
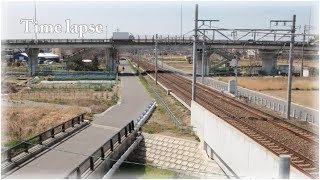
151, 17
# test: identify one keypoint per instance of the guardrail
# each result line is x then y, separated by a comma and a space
100, 153
141, 115
176, 121
297, 111
24, 146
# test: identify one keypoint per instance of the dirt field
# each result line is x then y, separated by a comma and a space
59, 103
305, 90
23, 122
274, 83
97, 101
183, 65
306, 98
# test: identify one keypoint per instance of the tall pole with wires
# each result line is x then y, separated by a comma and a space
35, 19
181, 20
293, 29
194, 63
156, 59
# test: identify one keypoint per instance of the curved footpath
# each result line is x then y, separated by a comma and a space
64, 157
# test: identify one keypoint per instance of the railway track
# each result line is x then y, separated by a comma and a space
275, 134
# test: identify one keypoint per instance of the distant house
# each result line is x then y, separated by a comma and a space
251, 54
41, 57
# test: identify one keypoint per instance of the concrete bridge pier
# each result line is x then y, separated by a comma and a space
269, 61
205, 60
111, 59
33, 60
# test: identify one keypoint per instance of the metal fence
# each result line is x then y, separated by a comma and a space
100, 153
24, 146
297, 111
141, 115
176, 121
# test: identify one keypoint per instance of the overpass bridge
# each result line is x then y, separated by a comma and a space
149, 42
268, 48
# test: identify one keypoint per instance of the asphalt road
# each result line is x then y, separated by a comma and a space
62, 159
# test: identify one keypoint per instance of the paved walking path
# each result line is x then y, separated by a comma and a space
59, 162
176, 154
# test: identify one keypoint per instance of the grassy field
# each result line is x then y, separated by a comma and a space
97, 98
23, 122
160, 122
59, 103
134, 171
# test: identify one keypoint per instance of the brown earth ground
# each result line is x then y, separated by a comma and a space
23, 122
306, 98
305, 89
29, 120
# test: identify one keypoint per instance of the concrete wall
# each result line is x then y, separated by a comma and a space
243, 155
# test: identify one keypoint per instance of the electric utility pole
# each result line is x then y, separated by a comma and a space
302, 56
293, 29
156, 58
194, 63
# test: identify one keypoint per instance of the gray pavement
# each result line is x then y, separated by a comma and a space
60, 161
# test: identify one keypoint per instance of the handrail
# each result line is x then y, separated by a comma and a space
24, 146
109, 145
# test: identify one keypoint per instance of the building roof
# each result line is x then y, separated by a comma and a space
44, 55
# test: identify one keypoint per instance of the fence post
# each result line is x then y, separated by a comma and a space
52, 133
119, 137
9, 155
26, 147
126, 131
132, 125
129, 127
78, 173
111, 145
40, 139
63, 127
284, 166
91, 164
102, 152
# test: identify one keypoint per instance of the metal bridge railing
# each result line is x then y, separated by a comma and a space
101, 152
24, 146
111, 145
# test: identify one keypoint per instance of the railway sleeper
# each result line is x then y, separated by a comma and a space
306, 165
298, 162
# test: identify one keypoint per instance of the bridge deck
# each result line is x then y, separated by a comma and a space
64, 157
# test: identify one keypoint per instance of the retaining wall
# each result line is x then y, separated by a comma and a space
244, 156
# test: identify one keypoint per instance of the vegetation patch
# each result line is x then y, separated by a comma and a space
21, 123
136, 171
